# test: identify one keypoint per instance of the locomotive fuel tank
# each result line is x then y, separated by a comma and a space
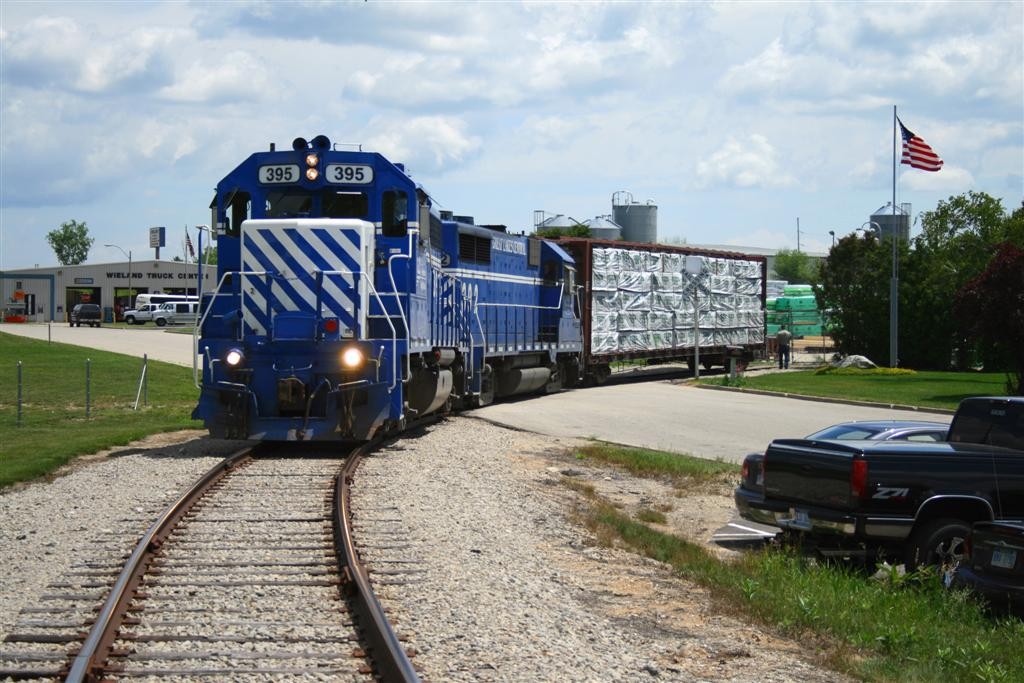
428, 389
522, 380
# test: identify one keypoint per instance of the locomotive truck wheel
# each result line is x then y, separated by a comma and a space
939, 543
707, 363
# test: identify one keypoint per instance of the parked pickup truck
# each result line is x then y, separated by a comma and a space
912, 499
85, 313
142, 314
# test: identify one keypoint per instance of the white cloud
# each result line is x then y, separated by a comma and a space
743, 163
426, 144
59, 51
231, 77
950, 178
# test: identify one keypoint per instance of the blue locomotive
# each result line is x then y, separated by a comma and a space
346, 304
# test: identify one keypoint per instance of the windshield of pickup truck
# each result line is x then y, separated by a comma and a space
999, 423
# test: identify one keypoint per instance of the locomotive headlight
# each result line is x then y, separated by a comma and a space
312, 174
312, 160
234, 358
352, 358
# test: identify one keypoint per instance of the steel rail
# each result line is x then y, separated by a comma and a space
389, 658
89, 663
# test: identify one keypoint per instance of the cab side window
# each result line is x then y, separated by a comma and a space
394, 213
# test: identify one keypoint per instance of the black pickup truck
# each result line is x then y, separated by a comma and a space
85, 313
910, 499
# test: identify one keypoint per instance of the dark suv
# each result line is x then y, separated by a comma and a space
85, 313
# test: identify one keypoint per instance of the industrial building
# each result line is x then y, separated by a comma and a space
47, 294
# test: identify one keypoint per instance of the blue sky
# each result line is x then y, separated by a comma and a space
736, 119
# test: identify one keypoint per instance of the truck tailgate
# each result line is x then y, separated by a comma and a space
809, 472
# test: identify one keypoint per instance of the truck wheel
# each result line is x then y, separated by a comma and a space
130, 320
160, 322
939, 543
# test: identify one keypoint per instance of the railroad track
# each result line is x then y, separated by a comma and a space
251, 573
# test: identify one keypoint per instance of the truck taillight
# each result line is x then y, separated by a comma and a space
745, 472
859, 479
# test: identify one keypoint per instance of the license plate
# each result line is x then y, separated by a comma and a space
1004, 559
798, 519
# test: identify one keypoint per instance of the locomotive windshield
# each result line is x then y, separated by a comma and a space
288, 204
344, 204
296, 203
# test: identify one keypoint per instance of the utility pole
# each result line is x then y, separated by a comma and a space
798, 233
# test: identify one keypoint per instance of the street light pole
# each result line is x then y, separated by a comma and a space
833, 233
128, 253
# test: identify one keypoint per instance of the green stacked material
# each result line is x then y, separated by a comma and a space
797, 309
796, 303
805, 317
806, 330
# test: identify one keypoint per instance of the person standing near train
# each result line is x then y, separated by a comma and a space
784, 338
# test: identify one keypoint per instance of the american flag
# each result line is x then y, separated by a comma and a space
917, 153
192, 251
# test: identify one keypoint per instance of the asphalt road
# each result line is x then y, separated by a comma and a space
158, 343
682, 418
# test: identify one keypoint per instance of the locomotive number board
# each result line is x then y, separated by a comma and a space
279, 173
349, 174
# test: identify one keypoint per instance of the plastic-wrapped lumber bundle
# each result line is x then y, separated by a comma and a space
653, 296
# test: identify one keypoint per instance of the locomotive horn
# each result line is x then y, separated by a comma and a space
321, 142
299, 144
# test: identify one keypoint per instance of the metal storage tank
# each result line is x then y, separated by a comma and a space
890, 224
639, 221
604, 228
557, 221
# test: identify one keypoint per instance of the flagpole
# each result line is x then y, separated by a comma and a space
894, 286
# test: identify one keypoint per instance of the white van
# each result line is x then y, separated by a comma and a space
176, 313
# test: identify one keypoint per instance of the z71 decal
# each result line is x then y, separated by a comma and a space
890, 492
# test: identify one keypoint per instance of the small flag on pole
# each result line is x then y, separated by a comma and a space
917, 152
192, 251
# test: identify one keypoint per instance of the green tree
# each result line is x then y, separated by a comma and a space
854, 290
209, 255
795, 266
959, 238
578, 230
991, 306
70, 242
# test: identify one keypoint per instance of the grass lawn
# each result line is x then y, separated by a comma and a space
54, 427
898, 628
924, 389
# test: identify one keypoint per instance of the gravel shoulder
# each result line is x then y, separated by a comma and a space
506, 587
498, 581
